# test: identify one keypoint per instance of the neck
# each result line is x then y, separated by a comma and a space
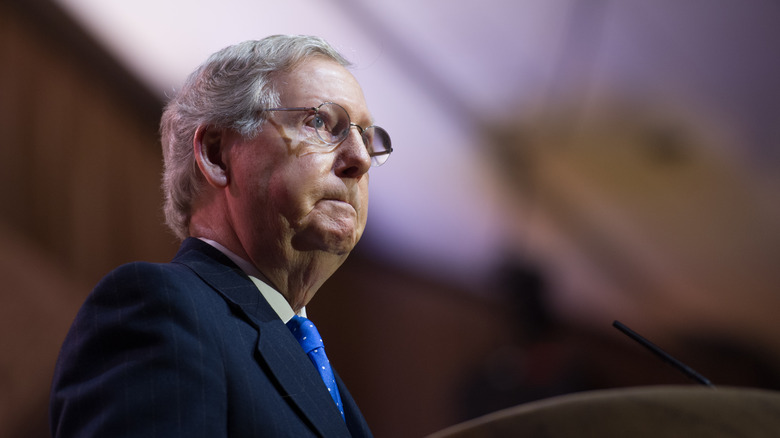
297, 275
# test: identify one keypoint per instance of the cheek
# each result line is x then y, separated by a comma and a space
255, 188
292, 191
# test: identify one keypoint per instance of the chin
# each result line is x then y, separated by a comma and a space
329, 241
340, 246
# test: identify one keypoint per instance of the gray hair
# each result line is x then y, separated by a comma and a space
227, 91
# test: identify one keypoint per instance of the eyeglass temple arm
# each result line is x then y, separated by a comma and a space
297, 108
384, 152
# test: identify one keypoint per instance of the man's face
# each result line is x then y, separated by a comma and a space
291, 192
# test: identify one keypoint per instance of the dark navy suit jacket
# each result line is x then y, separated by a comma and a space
189, 349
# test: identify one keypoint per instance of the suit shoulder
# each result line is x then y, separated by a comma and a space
144, 284
144, 275
150, 270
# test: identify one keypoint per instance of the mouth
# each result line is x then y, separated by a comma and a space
335, 196
339, 197
337, 203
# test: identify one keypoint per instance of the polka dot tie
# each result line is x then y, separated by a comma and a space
311, 341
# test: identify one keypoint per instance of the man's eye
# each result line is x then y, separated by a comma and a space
318, 122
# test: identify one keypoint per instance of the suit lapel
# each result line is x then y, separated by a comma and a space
276, 346
300, 378
358, 427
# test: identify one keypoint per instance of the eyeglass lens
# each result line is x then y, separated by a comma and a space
332, 124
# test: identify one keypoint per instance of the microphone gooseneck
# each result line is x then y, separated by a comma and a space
666, 357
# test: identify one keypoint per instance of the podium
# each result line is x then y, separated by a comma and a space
656, 411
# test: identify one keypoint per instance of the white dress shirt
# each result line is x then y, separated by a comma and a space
273, 296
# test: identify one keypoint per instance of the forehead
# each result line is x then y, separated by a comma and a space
317, 80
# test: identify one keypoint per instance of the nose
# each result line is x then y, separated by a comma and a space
352, 159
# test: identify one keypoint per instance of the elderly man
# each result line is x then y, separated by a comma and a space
267, 149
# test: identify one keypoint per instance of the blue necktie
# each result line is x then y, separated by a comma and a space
311, 341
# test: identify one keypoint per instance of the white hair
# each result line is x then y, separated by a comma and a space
227, 91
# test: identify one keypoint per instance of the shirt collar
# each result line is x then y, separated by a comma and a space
273, 296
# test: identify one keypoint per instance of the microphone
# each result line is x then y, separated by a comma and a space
666, 357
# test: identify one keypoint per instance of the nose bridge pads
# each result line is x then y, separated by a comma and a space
355, 150
353, 136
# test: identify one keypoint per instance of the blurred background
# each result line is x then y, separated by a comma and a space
558, 165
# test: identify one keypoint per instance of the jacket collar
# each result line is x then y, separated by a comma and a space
276, 346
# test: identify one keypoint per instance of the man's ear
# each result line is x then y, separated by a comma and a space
208, 147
